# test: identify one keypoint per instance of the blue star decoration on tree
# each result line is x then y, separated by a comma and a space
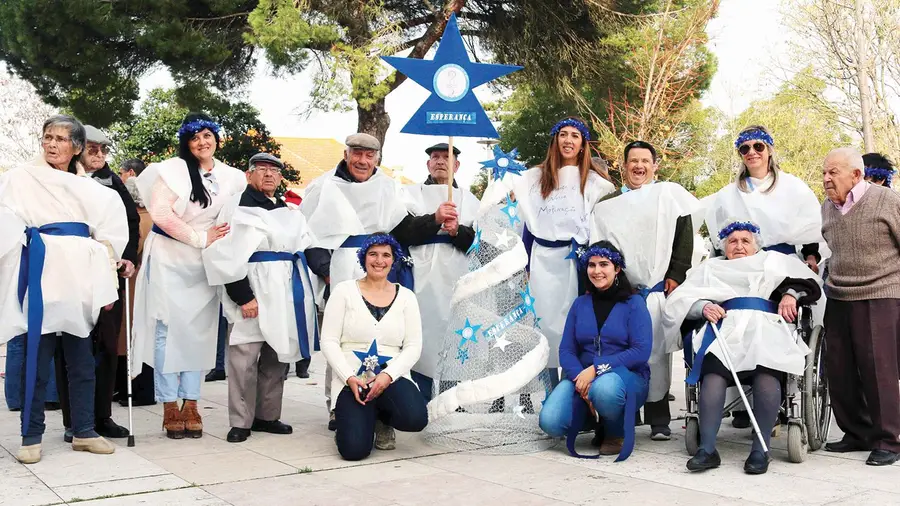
468, 333
503, 163
452, 108
528, 300
511, 210
476, 243
462, 355
371, 360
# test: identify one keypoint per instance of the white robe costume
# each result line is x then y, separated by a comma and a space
752, 337
562, 216
172, 286
436, 267
79, 274
227, 261
641, 223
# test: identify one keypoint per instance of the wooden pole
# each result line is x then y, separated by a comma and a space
451, 170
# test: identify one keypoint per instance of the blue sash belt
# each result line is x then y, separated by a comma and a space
657, 288
401, 272
160, 231
573, 254
783, 248
298, 291
580, 413
737, 303
31, 269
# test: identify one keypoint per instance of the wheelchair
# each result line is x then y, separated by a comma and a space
805, 405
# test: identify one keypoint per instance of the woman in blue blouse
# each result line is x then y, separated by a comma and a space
604, 351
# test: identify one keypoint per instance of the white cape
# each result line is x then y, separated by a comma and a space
227, 260
752, 337
172, 286
436, 268
79, 274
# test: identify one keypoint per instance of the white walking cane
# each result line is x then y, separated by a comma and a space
128, 359
740, 388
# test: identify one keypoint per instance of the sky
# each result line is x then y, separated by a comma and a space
741, 36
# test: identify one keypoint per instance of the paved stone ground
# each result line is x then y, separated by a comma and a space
304, 468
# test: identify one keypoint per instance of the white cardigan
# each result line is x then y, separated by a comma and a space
349, 326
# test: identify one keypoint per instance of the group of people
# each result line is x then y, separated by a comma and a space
213, 250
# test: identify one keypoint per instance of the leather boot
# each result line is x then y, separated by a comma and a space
193, 424
172, 421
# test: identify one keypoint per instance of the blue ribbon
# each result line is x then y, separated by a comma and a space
31, 269
737, 303
402, 272
783, 248
657, 288
579, 414
298, 291
160, 231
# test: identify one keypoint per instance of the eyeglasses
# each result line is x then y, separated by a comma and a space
759, 147
274, 170
93, 150
48, 138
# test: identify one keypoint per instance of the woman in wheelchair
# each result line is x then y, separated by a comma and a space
752, 296
605, 346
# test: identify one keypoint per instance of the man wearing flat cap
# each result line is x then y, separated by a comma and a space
106, 332
344, 206
439, 263
268, 297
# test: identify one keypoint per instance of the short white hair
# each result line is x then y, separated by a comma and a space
851, 157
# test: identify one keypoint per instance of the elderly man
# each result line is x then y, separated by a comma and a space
651, 223
268, 298
346, 204
106, 332
439, 263
861, 223
131, 168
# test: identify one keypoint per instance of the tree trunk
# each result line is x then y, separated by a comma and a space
374, 121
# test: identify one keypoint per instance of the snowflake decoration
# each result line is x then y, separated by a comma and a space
462, 355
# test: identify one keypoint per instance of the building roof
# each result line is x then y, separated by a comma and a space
313, 157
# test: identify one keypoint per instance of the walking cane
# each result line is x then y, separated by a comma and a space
740, 388
128, 360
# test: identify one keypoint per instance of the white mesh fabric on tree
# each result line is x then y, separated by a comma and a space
492, 375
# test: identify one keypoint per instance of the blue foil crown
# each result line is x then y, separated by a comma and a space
879, 173
754, 135
571, 122
381, 240
597, 251
197, 125
738, 225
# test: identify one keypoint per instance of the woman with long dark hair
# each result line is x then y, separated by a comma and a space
555, 200
176, 311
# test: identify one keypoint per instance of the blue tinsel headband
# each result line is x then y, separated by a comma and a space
574, 123
879, 173
197, 125
738, 225
597, 251
754, 135
380, 240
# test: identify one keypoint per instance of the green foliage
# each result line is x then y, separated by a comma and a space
479, 185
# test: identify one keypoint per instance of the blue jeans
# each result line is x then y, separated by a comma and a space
15, 374
174, 385
607, 395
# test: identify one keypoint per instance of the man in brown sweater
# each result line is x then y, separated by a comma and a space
861, 223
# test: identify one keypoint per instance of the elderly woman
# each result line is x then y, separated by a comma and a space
604, 352
371, 338
555, 200
60, 239
749, 294
176, 311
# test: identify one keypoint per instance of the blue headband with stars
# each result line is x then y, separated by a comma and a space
381, 239
198, 124
574, 123
754, 135
597, 251
738, 225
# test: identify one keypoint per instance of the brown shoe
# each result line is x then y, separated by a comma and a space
612, 446
97, 445
193, 424
172, 421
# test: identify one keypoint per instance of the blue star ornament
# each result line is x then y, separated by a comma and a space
476, 243
575, 252
511, 210
370, 360
468, 333
528, 300
452, 108
503, 163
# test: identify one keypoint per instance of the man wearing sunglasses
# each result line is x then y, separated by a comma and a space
106, 332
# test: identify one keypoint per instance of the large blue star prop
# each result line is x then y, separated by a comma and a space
503, 163
371, 360
468, 333
452, 108
511, 210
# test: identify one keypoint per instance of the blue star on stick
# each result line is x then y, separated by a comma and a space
468, 333
511, 210
503, 163
452, 108
371, 360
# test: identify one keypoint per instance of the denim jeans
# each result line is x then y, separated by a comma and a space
607, 395
400, 405
15, 374
174, 385
80, 368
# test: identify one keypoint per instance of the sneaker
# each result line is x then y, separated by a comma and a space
660, 433
384, 436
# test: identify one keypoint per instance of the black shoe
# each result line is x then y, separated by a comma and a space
703, 461
756, 463
110, 429
215, 375
845, 445
599, 436
882, 458
136, 402
51, 406
68, 435
303, 368
332, 424
237, 435
660, 433
273, 427
740, 420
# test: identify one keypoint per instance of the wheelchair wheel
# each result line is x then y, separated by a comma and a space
816, 403
692, 435
796, 443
